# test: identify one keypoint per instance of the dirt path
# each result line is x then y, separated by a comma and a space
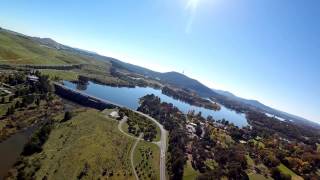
162, 144
132, 154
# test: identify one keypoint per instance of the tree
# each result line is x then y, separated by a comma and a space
44, 84
277, 174
11, 98
37, 73
57, 78
269, 159
27, 100
198, 130
2, 100
38, 102
17, 105
83, 79
10, 111
67, 116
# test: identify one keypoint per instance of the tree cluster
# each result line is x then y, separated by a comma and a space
174, 121
139, 124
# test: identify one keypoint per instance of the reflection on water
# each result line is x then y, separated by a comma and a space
129, 97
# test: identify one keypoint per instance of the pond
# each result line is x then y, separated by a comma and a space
11, 148
129, 97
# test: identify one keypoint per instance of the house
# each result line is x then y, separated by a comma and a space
191, 129
114, 114
32, 78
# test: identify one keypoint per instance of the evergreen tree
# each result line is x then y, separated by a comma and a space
17, 105
67, 116
11, 98
2, 100
38, 102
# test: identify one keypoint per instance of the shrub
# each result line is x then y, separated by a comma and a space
37, 140
67, 116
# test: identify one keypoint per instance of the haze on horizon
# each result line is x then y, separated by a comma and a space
263, 50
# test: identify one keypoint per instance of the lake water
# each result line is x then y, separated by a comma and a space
11, 148
129, 97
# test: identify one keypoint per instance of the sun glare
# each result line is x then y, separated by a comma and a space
191, 8
192, 4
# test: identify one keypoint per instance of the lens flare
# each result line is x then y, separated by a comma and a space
191, 8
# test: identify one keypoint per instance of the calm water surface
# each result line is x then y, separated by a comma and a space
129, 97
11, 148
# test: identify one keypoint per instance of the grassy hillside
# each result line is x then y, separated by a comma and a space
189, 173
146, 160
89, 146
286, 170
19, 49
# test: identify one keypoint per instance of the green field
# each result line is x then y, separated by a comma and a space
189, 173
146, 155
286, 170
250, 161
20, 49
258, 177
146, 160
89, 145
4, 108
64, 75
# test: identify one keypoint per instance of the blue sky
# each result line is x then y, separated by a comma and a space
267, 50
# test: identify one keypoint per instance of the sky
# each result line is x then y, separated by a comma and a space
267, 50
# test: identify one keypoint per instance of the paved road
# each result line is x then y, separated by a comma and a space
162, 143
163, 140
132, 153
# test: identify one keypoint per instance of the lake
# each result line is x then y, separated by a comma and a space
11, 148
129, 97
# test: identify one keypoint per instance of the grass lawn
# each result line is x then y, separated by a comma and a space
250, 161
88, 144
15, 49
258, 177
158, 136
189, 173
146, 160
65, 75
286, 170
4, 108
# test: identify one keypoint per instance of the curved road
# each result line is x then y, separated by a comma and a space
162, 144
163, 140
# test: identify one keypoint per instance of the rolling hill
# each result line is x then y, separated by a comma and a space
17, 48
261, 107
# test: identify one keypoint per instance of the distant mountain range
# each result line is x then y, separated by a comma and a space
183, 81
53, 44
172, 78
264, 108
